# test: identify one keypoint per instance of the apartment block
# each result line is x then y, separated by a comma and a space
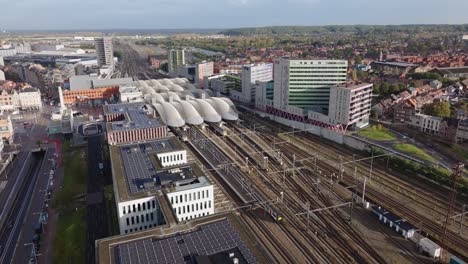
104, 51
350, 104
176, 58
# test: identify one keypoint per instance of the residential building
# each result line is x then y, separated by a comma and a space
436, 84
203, 70
2, 62
8, 102
461, 135
6, 129
426, 123
2, 76
133, 122
154, 62
306, 83
176, 58
104, 51
252, 74
30, 98
350, 104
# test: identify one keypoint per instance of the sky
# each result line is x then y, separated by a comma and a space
176, 14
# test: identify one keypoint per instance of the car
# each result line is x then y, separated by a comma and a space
10, 224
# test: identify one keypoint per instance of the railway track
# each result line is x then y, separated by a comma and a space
348, 245
457, 243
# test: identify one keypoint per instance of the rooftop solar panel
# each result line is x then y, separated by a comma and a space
211, 239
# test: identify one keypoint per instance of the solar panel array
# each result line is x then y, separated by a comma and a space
137, 164
138, 167
210, 239
138, 120
122, 108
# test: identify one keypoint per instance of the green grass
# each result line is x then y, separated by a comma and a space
377, 132
111, 210
70, 238
460, 152
413, 151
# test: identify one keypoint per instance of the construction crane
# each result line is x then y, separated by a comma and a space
457, 170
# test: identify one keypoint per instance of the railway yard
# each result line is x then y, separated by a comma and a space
302, 196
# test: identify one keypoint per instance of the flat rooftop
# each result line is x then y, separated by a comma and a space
396, 64
352, 85
135, 116
137, 172
209, 238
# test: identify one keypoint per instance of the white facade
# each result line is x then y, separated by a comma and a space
104, 51
350, 104
2, 75
130, 94
138, 214
252, 74
306, 83
192, 201
172, 158
30, 99
426, 123
2, 62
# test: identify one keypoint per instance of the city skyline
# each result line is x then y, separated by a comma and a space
181, 14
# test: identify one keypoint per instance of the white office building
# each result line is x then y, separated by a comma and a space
192, 200
154, 185
104, 51
306, 83
252, 74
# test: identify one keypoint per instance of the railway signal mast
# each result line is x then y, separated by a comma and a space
457, 170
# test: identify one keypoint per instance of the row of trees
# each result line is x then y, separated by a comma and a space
385, 89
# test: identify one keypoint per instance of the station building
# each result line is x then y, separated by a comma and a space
133, 122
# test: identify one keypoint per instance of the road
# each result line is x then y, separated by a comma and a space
31, 218
96, 216
10, 233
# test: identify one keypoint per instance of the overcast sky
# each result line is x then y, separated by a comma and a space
162, 14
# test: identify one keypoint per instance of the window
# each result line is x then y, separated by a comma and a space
178, 210
134, 210
133, 221
176, 199
203, 194
209, 203
128, 221
185, 197
198, 195
123, 209
183, 207
148, 204
139, 207
180, 197
142, 217
144, 206
152, 216
193, 207
147, 217
190, 197
137, 219
197, 206
172, 200
188, 208
126, 231
154, 204
206, 193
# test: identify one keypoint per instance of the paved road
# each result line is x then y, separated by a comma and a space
10, 233
31, 219
96, 216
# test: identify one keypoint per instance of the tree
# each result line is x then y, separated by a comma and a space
384, 88
354, 75
358, 60
376, 89
440, 109
393, 89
